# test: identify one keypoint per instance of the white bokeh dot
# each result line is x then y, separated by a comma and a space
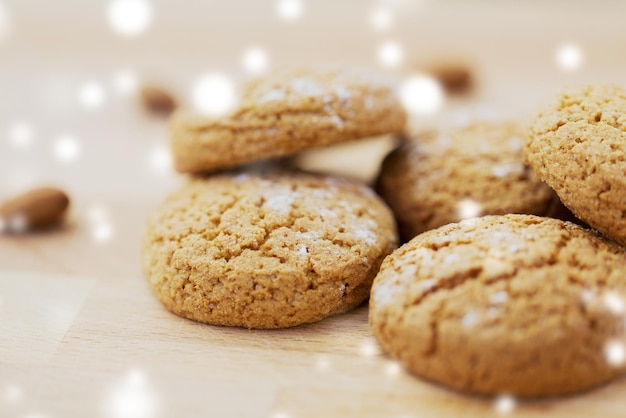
97, 213
615, 353
255, 60
5, 22
390, 54
393, 369
124, 82
160, 159
381, 19
131, 397
129, 17
102, 232
421, 95
214, 94
21, 134
290, 10
505, 404
136, 378
91, 95
322, 363
614, 303
468, 208
12, 393
369, 348
569, 57
66, 148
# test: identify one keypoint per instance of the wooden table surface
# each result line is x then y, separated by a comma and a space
81, 334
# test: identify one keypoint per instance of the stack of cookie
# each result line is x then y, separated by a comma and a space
490, 294
515, 304
273, 249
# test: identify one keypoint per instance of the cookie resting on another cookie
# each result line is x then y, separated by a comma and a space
267, 250
286, 113
442, 177
578, 146
514, 304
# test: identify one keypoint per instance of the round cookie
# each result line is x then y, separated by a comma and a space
514, 304
266, 250
286, 113
443, 177
578, 146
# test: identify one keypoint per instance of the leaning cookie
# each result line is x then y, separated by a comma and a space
442, 177
269, 250
578, 146
514, 304
286, 113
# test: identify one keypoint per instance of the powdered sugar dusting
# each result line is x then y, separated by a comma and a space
281, 200
241, 178
493, 312
451, 258
342, 93
515, 144
337, 121
385, 291
503, 170
364, 231
499, 297
272, 95
326, 213
302, 250
306, 87
319, 193
587, 296
366, 236
470, 319
310, 235
369, 102
502, 235
367, 191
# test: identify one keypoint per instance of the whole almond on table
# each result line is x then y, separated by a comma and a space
36, 209
454, 78
157, 100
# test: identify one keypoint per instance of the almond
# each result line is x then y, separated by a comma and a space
157, 101
454, 78
37, 209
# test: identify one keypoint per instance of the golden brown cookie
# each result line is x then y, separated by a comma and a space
514, 304
443, 177
266, 250
287, 113
578, 146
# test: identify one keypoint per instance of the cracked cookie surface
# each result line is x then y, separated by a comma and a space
514, 304
440, 177
578, 146
286, 113
266, 250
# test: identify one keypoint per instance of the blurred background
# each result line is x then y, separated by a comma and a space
71, 70
79, 322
